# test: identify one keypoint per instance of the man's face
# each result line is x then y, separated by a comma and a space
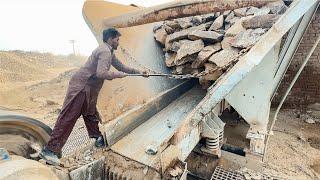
115, 42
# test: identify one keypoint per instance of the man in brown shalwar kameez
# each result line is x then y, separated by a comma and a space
82, 94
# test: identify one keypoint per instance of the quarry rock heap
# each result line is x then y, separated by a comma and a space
209, 45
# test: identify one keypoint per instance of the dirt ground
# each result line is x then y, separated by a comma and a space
293, 152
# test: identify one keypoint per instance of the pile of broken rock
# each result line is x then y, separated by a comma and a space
210, 44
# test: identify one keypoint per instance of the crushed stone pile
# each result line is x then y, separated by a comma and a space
209, 45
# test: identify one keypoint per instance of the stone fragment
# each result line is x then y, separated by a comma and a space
207, 36
177, 36
314, 107
227, 26
196, 20
247, 38
241, 12
225, 57
257, 12
189, 48
310, 121
168, 29
234, 20
170, 57
185, 22
261, 21
186, 59
208, 17
205, 84
205, 54
252, 11
277, 7
183, 69
217, 14
235, 29
210, 67
212, 72
183, 34
175, 46
156, 27
50, 102
226, 42
226, 13
161, 35
217, 24
229, 17
173, 24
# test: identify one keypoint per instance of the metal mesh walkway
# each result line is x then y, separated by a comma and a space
222, 174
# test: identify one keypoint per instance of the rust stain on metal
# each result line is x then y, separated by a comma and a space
177, 10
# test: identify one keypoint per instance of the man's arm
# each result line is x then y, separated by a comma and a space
103, 67
121, 67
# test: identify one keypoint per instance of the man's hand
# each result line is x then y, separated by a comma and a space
145, 73
122, 75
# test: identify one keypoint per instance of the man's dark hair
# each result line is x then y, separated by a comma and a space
110, 33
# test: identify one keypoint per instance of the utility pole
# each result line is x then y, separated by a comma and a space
73, 42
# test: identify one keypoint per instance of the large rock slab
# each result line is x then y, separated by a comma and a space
207, 36
185, 22
197, 20
189, 48
277, 7
170, 57
91, 171
173, 24
261, 21
185, 60
226, 42
168, 29
208, 17
175, 46
256, 11
161, 35
241, 12
205, 54
183, 34
217, 24
225, 57
235, 29
229, 17
248, 38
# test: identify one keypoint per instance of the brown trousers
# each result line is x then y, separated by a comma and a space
67, 119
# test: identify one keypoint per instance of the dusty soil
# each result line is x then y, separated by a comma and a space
39, 83
293, 151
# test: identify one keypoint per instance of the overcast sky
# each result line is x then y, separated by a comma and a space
48, 25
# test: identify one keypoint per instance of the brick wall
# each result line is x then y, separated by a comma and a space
307, 88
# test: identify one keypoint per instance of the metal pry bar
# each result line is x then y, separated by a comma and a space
187, 76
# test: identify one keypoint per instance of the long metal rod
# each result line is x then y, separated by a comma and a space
186, 76
150, 75
286, 94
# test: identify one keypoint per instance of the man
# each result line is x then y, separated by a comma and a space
82, 94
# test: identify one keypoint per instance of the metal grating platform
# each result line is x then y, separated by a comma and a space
222, 174
78, 138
